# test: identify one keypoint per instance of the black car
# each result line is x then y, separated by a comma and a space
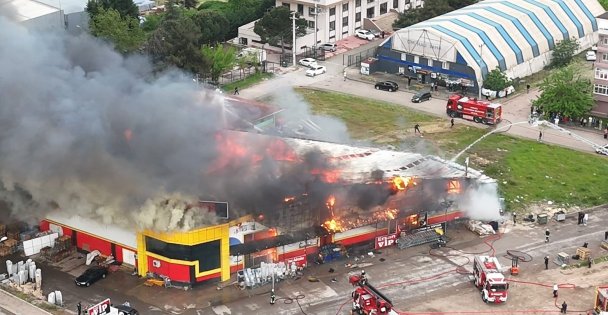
421, 97
91, 276
387, 86
126, 310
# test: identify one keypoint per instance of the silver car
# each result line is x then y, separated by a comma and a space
328, 47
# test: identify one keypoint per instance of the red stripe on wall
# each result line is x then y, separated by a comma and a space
44, 225
356, 239
236, 268
443, 217
118, 250
299, 252
210, 276
175, 272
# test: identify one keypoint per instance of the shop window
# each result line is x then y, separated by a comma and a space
207, 254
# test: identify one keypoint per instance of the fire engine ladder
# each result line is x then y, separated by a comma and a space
411, 240
594, 145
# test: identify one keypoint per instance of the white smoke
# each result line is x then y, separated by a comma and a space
481, 202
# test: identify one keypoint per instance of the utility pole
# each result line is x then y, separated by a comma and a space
293, 38
316, 27
480, 83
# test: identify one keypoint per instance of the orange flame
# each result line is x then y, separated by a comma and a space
331, 201
453, 187
327, 176
333, 226
288, 199
402, 183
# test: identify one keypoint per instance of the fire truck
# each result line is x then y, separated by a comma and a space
489, 278
474, 109
367, 300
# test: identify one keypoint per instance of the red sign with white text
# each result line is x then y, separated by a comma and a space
102, 308
299, 260
385, 240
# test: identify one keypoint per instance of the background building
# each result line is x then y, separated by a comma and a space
516, 36
600, 88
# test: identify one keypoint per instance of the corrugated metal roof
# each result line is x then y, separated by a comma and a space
505, 33
23, 10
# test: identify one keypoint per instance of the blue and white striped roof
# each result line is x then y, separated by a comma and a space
505, 33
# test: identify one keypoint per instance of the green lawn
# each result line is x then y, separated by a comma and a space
367, 118
527, 171
247, 82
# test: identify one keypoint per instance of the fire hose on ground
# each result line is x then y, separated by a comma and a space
489, 241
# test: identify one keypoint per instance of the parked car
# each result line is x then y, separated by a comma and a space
126, 310
315, 70
328, 47
308, 62
375, 32
365, 34
594, 47
91, 276
604, 151
590, 55
387, 86
421, 97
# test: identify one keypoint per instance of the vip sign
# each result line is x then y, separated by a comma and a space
101, 308
385, 240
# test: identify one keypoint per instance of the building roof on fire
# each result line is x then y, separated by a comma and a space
357, 163
499, 33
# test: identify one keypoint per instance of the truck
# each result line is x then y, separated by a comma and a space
490, 280
367, 300
474, 109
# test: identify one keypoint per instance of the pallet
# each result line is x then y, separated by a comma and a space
604, 245
583, 253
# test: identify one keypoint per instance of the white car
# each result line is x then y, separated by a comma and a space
602, 150
315, 70
365, 34
308, 62
590, 56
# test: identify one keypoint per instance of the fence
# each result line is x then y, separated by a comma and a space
237, 74
356, 58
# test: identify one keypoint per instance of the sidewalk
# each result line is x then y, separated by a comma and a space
18, 306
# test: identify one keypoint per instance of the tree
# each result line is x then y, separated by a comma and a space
567, 92
431, 9
177, 42
604, 4
151, 22
124, 7
123, 31
275, 27
563, 52
496, 80
213, 25
189, 4
219, 59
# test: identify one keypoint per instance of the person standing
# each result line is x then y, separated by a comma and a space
451, 122
79, 308
382, 33
589, 261
606, 133
514, 218
236, 90
432, 86
547, 234
564, 308
528, 88
540, 136
546, 262
555, 287
344, 74
417, 129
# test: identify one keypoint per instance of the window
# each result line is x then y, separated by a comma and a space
358, 17
311, 24
357, 3
600, 89
395, 4
332, 11
605, 41
370, 12
370, 1
605, 57
383, 8
301, 9
332, 25
243, 41
601, 74
345, 21
345, 7
206, 254
445, 65
429, 62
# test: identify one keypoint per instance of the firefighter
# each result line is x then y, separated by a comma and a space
363, 278
555, 287
547, 233
417, 129
589, 261
273, 297
546, 262
564, 308
79, 308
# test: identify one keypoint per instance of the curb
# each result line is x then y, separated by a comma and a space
24, 301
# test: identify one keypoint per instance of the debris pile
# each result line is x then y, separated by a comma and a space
480, 228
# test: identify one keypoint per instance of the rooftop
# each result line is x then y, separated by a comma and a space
23, 10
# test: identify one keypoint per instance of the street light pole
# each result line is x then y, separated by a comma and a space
316, 27
293, 39
480, 83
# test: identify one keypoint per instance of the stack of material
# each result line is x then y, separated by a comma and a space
63, 242
604, 245
8, 247
62, 249
480, 228
583, 253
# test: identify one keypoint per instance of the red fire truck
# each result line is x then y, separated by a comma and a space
474, 109
489, 278
367, 300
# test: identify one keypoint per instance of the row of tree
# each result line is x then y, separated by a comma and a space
431, 9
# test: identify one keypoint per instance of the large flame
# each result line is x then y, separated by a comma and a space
327, 176
333, 226
331, 201
399, 183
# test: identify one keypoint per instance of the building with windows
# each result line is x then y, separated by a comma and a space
335, 19
516, 36
600, 87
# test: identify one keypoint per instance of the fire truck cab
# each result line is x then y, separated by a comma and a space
489, 279
367, 300
474, 109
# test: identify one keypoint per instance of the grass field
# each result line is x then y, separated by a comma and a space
247, 82
527, 171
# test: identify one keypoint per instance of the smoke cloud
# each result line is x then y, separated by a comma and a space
481, 202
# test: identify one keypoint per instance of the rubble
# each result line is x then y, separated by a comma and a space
480, 228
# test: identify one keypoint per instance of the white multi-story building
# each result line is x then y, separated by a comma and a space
335, 20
